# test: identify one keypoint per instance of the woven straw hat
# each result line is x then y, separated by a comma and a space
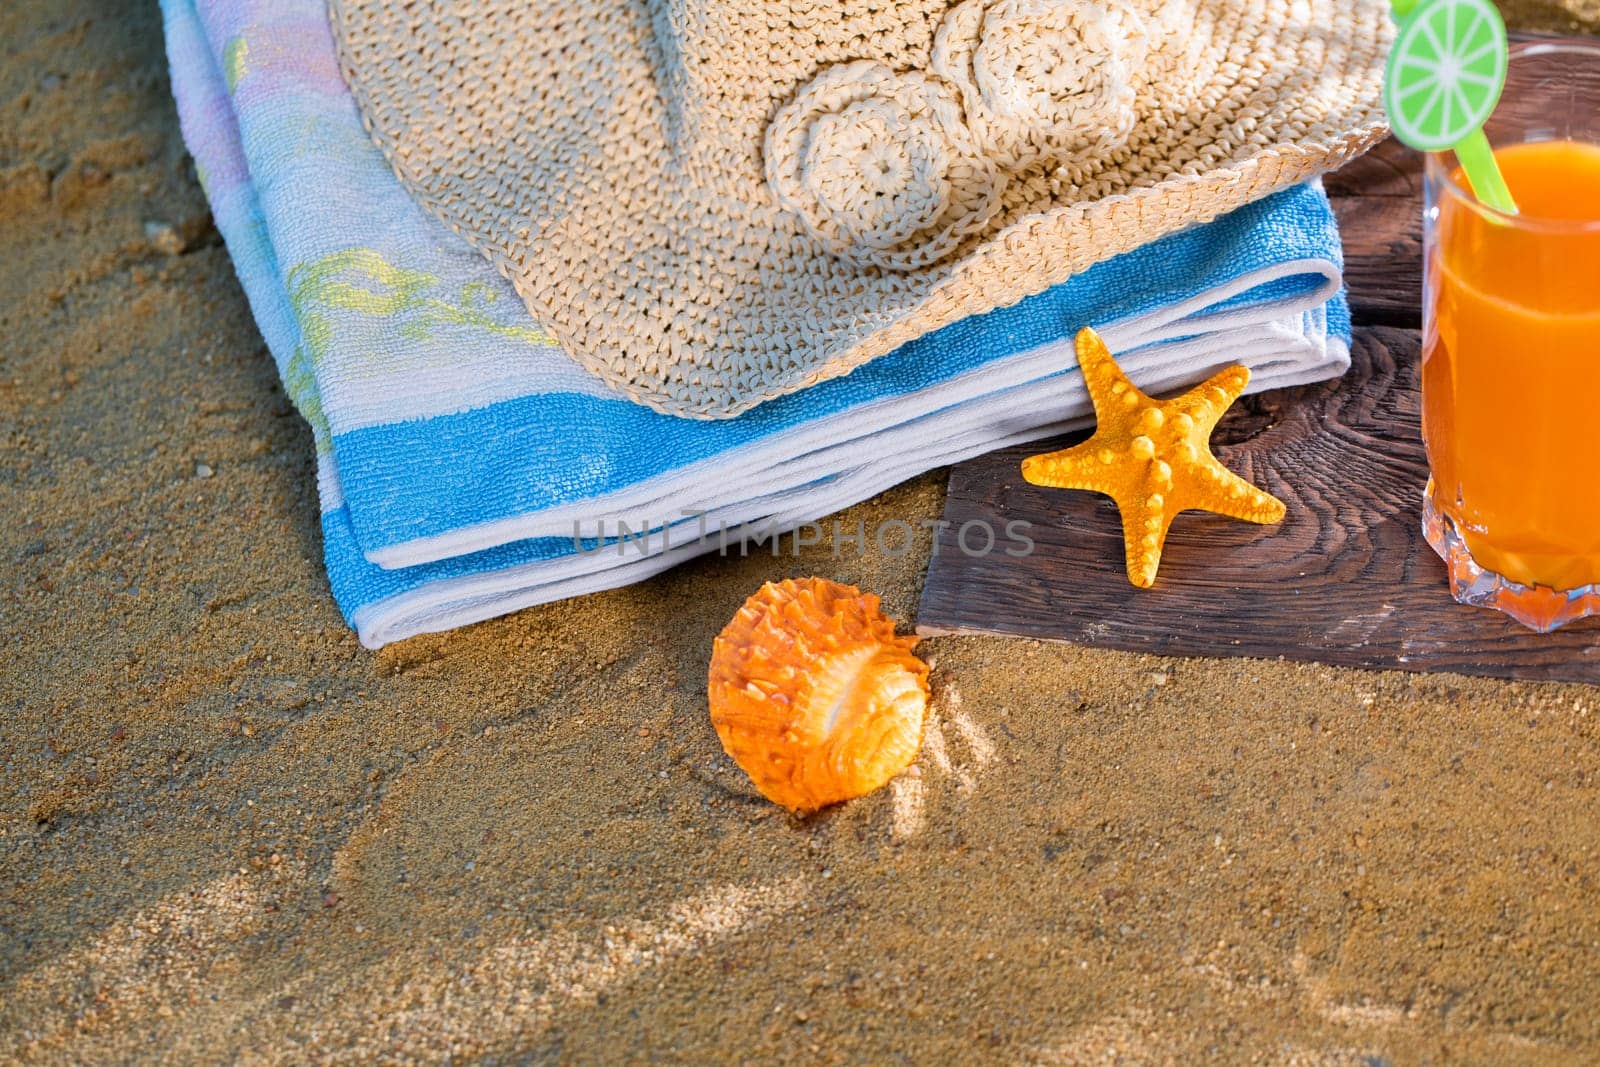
712, 203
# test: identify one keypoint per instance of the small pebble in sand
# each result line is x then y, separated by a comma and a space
202, 470
164, 238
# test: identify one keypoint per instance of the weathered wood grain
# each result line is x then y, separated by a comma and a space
1378, 201
1346, 579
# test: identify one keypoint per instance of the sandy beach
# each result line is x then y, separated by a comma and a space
229, 833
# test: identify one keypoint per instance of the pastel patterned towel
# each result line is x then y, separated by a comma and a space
468, 468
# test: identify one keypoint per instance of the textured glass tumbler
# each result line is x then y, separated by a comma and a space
1511, 351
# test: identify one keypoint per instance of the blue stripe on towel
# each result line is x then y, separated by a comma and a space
360, 586
417, 479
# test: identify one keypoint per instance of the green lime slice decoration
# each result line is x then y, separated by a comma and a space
1444, 78
1445, 73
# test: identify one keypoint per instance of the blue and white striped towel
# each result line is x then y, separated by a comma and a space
466, 466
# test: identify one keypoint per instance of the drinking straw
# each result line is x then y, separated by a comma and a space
1444, 78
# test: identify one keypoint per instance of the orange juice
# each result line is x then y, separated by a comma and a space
1511, 367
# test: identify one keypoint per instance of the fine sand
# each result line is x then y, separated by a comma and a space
227, 832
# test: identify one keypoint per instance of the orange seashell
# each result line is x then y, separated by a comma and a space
814, 696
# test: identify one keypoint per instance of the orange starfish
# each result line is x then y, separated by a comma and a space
1153, 457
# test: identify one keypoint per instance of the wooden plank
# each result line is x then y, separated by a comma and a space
1378, 201
1346, 579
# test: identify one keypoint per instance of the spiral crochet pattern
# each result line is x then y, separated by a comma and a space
879, 166
711, 204
1042, 78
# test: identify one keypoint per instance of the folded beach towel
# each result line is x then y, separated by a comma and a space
467, 467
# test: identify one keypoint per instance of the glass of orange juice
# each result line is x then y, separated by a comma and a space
1511, 351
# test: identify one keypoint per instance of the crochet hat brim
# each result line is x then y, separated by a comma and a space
712, 204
